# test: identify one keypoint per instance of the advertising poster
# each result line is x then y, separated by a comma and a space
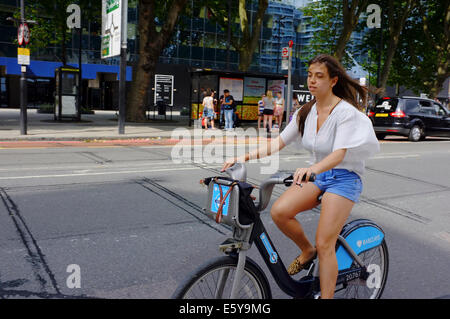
253, 89
234, 85
276, 86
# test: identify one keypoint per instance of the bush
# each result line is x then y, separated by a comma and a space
46, 108
49, 109
184, 111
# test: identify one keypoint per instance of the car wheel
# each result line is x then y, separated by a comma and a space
415, 134
381, 136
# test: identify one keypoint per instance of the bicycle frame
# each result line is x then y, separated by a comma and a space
306, 286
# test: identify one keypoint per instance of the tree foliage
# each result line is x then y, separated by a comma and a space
244, 35
415, 45
51, 28
335, 22
421, 62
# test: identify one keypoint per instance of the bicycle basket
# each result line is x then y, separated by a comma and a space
222, 203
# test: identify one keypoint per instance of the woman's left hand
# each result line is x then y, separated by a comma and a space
300, 173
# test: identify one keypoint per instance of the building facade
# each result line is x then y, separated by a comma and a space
197, 43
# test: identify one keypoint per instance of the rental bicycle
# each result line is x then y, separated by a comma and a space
361, 252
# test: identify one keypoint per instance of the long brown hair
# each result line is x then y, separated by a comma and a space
346, 88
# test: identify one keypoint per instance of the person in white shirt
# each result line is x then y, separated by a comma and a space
208, 109
279, 110
260, 110
339, 137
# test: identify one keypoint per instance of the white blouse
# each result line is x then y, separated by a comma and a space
345, 127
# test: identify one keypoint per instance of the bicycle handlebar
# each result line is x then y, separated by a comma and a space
238, 171
266, 188
288, 181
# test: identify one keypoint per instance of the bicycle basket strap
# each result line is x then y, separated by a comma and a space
219, 214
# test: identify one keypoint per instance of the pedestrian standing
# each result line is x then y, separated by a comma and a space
295, 105
208, 109
260, 110
228, 107
279, 109
268, 111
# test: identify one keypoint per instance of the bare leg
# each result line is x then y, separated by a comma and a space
335, 211
293, 201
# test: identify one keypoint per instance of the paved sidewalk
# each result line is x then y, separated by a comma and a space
102, 126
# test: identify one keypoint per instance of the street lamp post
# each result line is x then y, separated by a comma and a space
23, 37
123, 67
23, 83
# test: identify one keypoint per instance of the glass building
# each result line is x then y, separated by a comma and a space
197, 42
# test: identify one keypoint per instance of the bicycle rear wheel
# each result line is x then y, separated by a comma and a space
214, 280
377, 263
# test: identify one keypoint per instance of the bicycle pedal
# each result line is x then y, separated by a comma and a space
230, 243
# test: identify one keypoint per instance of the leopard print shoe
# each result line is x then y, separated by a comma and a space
296, 266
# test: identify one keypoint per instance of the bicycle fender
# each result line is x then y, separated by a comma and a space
361, 235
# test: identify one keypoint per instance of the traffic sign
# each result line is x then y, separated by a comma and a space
285, 52
26, 33
20, 32
291, 43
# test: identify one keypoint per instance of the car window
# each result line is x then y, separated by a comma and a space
428, 110
425, 103
439, 109
412, 106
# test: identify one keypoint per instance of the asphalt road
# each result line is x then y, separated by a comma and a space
128, 219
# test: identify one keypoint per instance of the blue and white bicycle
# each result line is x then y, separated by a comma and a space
361, 252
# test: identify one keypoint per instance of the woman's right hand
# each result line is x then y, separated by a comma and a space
228, 163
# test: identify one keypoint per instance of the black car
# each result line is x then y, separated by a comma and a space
413, 117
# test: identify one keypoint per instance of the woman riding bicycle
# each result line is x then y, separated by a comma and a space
340, 138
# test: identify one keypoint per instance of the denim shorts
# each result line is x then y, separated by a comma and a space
208, 113
341, 182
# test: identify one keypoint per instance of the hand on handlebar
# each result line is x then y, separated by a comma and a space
303, 175
228, 163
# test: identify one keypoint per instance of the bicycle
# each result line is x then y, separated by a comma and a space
361, 252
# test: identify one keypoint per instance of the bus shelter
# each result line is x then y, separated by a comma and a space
245, 87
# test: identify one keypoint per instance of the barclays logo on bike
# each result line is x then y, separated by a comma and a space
369, 240
272, 254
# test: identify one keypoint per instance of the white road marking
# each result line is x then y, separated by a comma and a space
99, 173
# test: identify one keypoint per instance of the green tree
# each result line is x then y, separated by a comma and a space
244, 35
335, 21
157, 20
422, 58
51, 28
436, 27
397, 15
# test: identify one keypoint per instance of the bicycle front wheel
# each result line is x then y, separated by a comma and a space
377, 263
214, 280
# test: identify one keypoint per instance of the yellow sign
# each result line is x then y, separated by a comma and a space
23, 51
23, 56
